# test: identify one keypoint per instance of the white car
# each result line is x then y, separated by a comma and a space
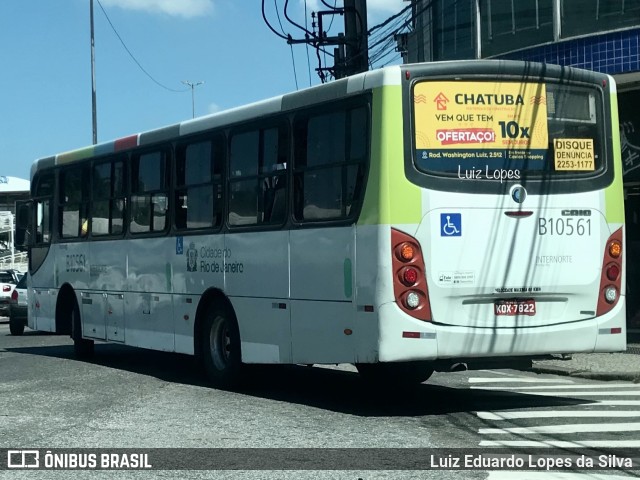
8, 280
18, 308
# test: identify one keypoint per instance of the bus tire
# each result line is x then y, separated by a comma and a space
221, 354
82, 348
395, 373
16, 326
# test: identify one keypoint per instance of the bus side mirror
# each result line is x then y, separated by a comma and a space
22, 239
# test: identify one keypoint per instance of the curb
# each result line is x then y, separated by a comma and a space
571, 372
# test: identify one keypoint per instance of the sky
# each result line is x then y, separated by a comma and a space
45, 73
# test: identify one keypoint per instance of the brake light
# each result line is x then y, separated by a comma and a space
14, 295
612, 272
6, 288
409, 276
611, 278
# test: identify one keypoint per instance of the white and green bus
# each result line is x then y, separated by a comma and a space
403, 220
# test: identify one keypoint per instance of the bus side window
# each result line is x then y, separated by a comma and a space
149, 200
42, 217
258, 177
329, 164
275, 145
197, 201
74, 202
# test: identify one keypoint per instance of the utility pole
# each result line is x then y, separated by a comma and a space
94, 114
351, 52
193, 102
355, 32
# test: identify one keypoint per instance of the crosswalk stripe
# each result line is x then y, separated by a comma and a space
634, 393
517, 380
496, 372
558, 414
578, 386
583, 392
564, 429
562, 443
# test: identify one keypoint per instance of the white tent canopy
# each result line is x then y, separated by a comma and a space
13, 184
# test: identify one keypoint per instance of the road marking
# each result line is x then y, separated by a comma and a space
625, 403
517, 380
569, 394
562, 443
578, 386
557, 414
496, 372
563, 429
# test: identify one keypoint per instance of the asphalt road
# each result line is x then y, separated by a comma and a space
132, 398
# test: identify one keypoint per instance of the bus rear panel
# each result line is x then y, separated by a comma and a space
518, 250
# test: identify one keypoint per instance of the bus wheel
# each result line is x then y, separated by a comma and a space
16, 326
395, 373
82, 347
221, 348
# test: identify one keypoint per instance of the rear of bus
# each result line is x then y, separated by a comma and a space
518, 250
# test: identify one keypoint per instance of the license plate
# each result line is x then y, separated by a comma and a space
515, 307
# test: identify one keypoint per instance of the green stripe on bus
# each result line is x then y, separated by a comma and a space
348, 276
390, 197
168, 273
74, 155
613, 194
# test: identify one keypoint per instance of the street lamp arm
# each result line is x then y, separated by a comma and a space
192, 85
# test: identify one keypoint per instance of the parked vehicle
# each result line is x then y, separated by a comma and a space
8, 280
18, 307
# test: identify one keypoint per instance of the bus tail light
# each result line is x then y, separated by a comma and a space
615, 248
611, 277
409, 276
612, 272
610, 294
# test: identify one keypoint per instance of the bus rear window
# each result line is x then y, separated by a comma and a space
507, 130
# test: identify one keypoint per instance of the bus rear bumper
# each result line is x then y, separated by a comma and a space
403, 338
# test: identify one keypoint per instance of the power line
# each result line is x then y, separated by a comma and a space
293, 59
390, 19
282, 35
395, 24
133, 57
305, 29
381, 38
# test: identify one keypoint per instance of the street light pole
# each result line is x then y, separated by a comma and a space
94, 115
193, 102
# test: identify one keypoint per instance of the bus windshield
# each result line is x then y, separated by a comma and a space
507, 130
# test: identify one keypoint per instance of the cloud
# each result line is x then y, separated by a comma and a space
377, 10
386, 6
175, 8
214, 108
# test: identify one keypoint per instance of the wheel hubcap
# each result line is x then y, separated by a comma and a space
220, 343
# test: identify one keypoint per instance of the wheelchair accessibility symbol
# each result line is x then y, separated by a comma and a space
450, 224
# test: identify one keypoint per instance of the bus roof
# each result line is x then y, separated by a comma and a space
325, 92
282, 103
